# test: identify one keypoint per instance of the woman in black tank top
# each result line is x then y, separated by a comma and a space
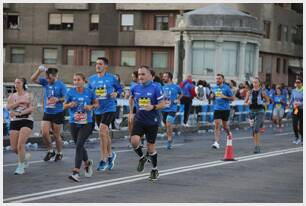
255, 99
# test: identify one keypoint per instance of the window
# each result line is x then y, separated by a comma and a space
17, 55
160, 60
11, 21
267, 25
161, 23
279, 32
249, 59
94, 22
278, 65
95, 54
128, 58
70, 56
229, 58
61, 22
127, 22
50, 56
286, 33
203, 57
284, 66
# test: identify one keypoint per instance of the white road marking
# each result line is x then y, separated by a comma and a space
282, 134
134, 178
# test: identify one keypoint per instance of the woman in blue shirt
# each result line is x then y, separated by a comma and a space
80, 101
279, 102
296, 102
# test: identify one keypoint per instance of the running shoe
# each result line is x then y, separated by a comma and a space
75, 176
49, 155
27, 158
256, 150
88, 169
141, 164
215, 145
111, 161
153, 175
295, 141
298, 141
102, 166
20, 169
169, 145
58, 157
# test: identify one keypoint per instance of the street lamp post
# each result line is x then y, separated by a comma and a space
181, 51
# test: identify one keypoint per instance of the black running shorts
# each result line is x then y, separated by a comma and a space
105, 118
141, 129
222, 114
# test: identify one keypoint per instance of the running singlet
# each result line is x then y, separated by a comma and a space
26, 98
221, 103
57, 89
171, 92
77, 114
103, 87
144, 95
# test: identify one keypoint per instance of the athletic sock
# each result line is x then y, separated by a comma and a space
138, 150
154, 159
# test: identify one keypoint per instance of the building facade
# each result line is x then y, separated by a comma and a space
71, 36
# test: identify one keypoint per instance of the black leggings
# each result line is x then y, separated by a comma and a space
186, 101
297, 121
79, 134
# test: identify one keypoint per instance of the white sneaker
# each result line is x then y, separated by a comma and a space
75, 177
27, 158
88, 170
20, 169
215, 145
298, 142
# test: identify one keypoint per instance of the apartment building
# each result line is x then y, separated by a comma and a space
71, 37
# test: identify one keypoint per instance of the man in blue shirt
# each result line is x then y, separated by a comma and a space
107, 88
148, 99
54, 96
172, 95
222, 95
188, 91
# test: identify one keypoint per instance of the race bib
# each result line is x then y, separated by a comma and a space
80, 118
218, 93
101, 93
278, 106
142, 102
51, 104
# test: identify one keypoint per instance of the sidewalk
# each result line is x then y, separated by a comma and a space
123, 133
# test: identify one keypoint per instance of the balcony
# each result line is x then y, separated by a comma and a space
154, 38
71, 6
160, 6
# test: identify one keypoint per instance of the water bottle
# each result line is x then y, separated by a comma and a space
42, 68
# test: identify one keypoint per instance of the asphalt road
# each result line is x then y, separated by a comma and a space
191, 172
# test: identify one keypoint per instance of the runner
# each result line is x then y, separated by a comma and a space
188, 94
80, 101
107, 88
222, 95
296, 102
172, 93
148, 100
20, 106
53, 118
279, 103
258, 100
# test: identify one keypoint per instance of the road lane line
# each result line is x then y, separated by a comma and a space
128, 179
282, 134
